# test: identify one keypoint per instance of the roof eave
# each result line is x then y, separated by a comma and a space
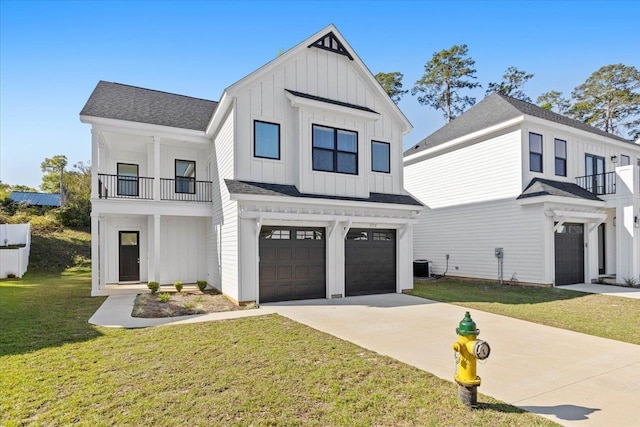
560, 200
415, 157
104, 122
322, 201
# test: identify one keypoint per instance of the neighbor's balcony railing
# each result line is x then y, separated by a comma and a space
138, 187
598, 184
125, 187
185, 189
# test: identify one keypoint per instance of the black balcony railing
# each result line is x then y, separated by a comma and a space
124, 186
598, 184
185, 189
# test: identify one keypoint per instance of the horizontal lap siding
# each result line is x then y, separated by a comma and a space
470, 233
487, 170
470, 194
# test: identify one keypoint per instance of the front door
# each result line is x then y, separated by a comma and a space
569, 242
129, 256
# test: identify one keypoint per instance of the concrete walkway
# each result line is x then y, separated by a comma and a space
594, 288
571, 378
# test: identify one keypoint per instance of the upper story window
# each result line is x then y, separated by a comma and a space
127, 179
535, 152
561, 157
380, 156
335, 150
266, 140
185, 176
625, 160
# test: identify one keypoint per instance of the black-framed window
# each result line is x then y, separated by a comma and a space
128, 179
335, 150
266, 140
185, 176
535, 152
380, 156
561, 156
625, 160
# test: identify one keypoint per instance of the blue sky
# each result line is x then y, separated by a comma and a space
52, 54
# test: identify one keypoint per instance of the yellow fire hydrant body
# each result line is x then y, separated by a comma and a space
468, 350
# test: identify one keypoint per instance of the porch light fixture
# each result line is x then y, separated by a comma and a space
614, 159
636, 223
614, 221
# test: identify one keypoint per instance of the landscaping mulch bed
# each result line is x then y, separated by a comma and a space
182, 304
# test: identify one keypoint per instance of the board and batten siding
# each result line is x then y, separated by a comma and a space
486, 170
327, 75
182, 249
470, 233
223, 251
110, 229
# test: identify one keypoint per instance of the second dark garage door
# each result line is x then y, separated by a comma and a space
370, 261
292, 264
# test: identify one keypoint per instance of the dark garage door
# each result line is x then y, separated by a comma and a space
292, 264
370, 262
569, 241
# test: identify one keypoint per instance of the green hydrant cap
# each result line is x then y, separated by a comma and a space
467, 326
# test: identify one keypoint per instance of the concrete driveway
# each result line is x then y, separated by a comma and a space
571, 378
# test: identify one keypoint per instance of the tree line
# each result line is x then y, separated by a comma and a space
609, 99
73, 184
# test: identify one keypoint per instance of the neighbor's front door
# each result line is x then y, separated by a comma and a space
129, 256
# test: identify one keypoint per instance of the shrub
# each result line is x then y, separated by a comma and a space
178, 285
164, 297
202, 285
45, 224
153, 286
189, 305
629, 281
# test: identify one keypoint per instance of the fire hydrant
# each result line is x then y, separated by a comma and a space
468, 350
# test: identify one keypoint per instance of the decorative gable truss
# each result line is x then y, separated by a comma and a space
331, 43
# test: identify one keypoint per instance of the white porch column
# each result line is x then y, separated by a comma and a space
404, 258
96, 285
156, 168
95, 162
156, 261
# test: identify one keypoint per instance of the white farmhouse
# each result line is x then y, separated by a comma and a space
289, 187
559, 199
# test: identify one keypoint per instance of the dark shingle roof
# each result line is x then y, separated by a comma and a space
264, 189
546, 187
330, 101
493, 110
35, 199
135, 104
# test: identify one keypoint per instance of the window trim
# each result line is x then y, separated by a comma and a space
136, 180
388, 144
335, 150
555, 154
183, 178
541, 153
254, 140
626, 157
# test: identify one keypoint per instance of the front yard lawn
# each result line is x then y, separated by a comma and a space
268, 370
600, 315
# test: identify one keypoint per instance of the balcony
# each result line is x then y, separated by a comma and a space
598, 184
141, 188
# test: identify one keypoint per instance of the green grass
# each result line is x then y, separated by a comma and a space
600, 315
58, 370
58, 251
